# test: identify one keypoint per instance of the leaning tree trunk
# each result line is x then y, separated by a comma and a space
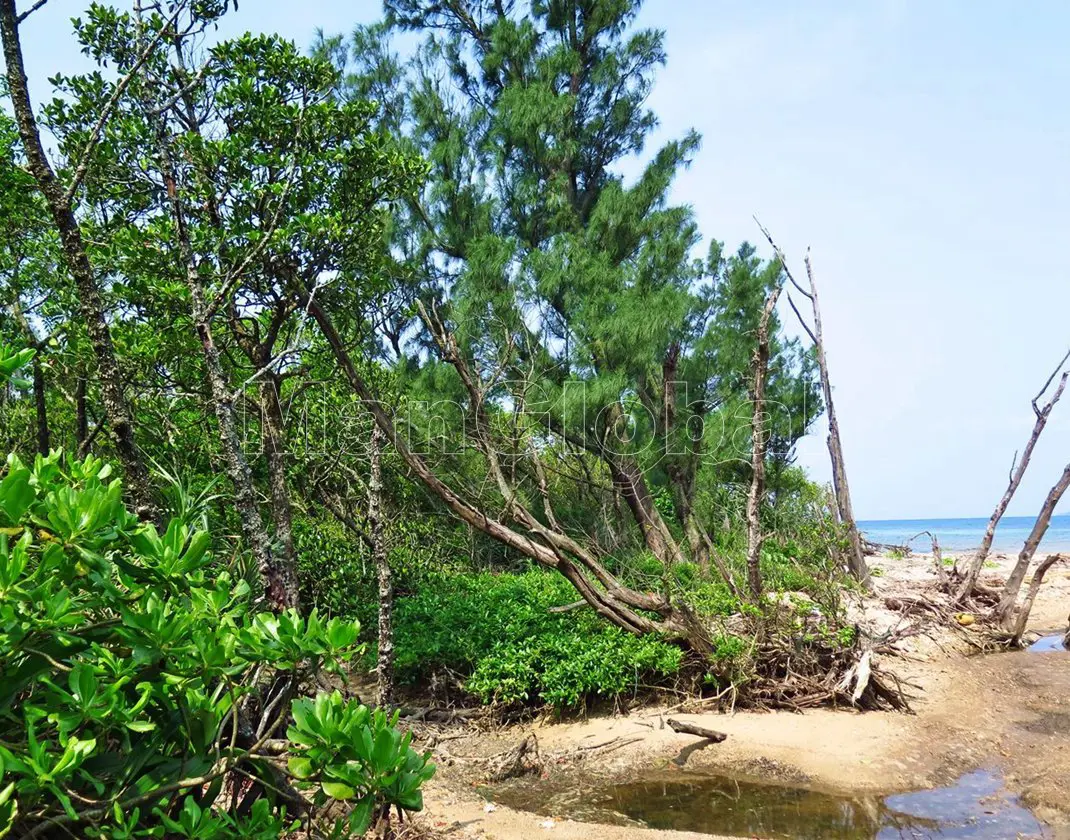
1027, 605
90, 302
756, 494
1017, 473
633, 611
856, 557
1004, 608
385, 665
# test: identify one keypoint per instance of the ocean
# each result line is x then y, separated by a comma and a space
966, 534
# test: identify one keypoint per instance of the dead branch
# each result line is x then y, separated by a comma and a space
856, 556
1001, 613
521, 760
684, 728
1018, 468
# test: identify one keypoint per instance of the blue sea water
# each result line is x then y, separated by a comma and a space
966, 534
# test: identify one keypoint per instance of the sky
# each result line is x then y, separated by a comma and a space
921, 150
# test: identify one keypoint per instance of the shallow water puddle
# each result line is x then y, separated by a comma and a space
1048, 644
975, 807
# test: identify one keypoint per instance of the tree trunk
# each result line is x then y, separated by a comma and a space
272, 424
44, 437
90, 303
279, 577
856, 558
756, 494
1031, 596
385, 665
1017, 473
1003, 609
81, 417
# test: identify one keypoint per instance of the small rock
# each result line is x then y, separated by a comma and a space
490, 807
547, 824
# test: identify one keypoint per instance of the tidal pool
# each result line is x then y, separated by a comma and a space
975, 807
1048, 644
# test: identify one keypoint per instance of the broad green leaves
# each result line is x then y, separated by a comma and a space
11, 361
356, 755
129, 652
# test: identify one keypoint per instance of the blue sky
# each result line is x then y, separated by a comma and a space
922, 150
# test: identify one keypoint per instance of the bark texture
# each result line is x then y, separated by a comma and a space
376, 524
756, 494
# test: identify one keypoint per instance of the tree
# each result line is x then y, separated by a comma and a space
257, 182
564, 324
60, 198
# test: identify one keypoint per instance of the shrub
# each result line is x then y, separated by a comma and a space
129, 666
498, 633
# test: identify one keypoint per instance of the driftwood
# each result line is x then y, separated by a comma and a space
938, 558
521, 760
872, 548
856, 560
685, 728
1017, 472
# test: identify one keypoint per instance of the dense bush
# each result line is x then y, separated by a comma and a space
497, 633
132, 674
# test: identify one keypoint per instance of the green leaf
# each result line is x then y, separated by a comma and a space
300, 768
337, 790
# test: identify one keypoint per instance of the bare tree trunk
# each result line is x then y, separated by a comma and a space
1031, 596
856, 558
1014, 479
756, 494
1002, 610
90, 303
385, 664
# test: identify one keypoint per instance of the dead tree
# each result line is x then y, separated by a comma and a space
1002, 611
1027, 605
759, 372
856, 559
60, 200
1017, 472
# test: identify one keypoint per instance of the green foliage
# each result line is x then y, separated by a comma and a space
11, 361
498, 632
124, 657
356, 756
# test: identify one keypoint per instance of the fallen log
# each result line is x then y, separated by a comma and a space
684, 728
876, 548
